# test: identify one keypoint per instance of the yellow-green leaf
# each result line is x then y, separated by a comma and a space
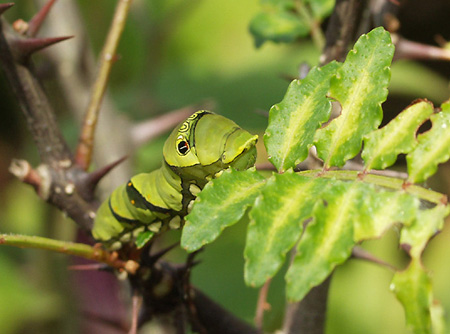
433, 147
360, 86
327, 241
413, 289
381, 147
293, 121
415, 237
381, 209
222, 203
276, 224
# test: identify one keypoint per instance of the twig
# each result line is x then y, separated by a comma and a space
361, 254
381, 181
86, 142
137, 304
262, 306
406, 49
69, 248
147, 130
25, 173
316, 32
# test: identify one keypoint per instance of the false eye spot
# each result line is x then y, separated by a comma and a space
183, 147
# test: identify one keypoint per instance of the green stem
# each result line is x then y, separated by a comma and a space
316, 32
69, 248
382, 181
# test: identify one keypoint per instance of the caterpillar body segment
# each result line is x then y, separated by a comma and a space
195, 152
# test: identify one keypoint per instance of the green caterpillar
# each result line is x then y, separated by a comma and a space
196, 151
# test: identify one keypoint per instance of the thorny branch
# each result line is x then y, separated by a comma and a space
57, 173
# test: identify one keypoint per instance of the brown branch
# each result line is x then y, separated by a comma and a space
308, 316
406, 49
216, 319
262, 305
34, 104
57, 174
83, 155
341, 30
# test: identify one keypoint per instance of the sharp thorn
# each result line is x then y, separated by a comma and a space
194, 263
24, 48
5, 6
36, 22
156, 256
94, 177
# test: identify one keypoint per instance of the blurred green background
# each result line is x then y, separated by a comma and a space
176, 53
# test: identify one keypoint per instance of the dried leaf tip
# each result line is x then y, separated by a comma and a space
37, 20
24, 48
5, 6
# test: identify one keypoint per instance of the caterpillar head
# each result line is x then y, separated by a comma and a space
211, 143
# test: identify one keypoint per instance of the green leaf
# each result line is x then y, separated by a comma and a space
433, 147
381, 209
328, 240
276, 223
278, 26
293, 121
360, 86
415, 237
143, 238
381, 147
222, 203
413, 289
320, 8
